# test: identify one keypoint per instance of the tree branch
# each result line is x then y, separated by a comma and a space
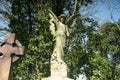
74, 10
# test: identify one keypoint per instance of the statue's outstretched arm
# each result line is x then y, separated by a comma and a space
53, 17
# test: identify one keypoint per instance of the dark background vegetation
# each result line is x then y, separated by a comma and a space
92, 49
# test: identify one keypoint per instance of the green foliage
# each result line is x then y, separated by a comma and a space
100, 66
106, 43
32, 28
90, 50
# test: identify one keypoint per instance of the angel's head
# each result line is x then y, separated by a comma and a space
62, 18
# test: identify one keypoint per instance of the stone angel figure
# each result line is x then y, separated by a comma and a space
59, 29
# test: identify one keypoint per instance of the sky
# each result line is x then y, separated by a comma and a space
105, 9
102, 11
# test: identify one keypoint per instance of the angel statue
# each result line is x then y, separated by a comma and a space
59, 30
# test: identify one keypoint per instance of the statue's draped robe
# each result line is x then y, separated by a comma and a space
58, 66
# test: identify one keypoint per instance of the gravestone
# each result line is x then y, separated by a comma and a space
8, 47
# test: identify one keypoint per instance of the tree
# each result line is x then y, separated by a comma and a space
87, 49
31, 17
105, 44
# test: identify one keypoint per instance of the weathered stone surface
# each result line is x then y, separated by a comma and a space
56, 78
58, 66
7, 48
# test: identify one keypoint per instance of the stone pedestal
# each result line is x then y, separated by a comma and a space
59, 78
58, 69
